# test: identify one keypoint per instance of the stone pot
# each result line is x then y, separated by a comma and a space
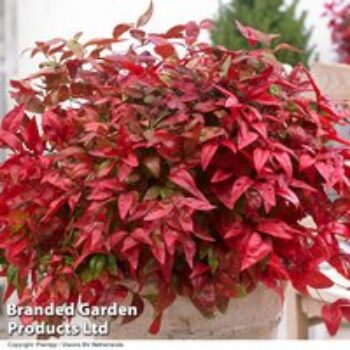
255, 316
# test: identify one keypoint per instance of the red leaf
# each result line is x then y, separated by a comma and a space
155, 326
267, 192
175, 32
255, 250
183, 179
165, 50
277, 268
318, 280
276, 228
285, 163
199, 269
170, 239
120, 29
220, 175
32, 138
288, 194
158, 211
254, 36
125, 203
232, 101
190, 251
13, 119
52, 126
306, 161
207, 24
261, 156
332, 315
197, 204
10, 140
158, 251
192, 31
240, 186
144, 19
207, 154
54, 207
246, 138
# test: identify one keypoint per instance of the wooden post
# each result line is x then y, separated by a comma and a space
297, 321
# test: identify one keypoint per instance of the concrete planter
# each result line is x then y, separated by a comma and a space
255, 316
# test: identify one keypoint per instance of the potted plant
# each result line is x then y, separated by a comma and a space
175, 175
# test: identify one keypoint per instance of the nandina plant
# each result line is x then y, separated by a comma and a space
338, 12
170, 167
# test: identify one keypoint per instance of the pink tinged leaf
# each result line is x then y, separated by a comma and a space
158, 251
54, 207
274, 228
201, 233
170, 239
13, 119
260, 156
199, 270
207, 154
131, 160
326, 171
144, 19
223, 192
229, 144
306, 161
207, 24
260, 127
125, 203
220, 175
158, 211
332, 316
253, 36
120, 29
245, 139
190, 251
132, 256
256, 249
303, 185
197, 204
124, 171
183, 179
129, 243
240, 186
10, 140
142, 236
285, 162
191, 31
289, 195
73, 200
115, 239
232, 101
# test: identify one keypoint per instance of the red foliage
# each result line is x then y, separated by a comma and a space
339, 23
160, 171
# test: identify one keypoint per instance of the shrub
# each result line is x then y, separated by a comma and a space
339, 24
169, 168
